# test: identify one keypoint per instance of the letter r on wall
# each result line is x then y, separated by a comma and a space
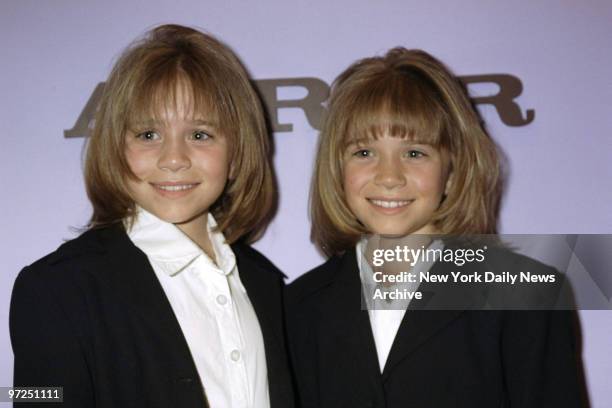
311, 104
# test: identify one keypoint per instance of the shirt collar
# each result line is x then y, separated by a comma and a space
166, 245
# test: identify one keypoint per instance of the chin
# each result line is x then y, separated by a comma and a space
390, 232
389, 228
396, 231
176, 217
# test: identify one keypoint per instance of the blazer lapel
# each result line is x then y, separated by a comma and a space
130, 276
346, 320
416, 328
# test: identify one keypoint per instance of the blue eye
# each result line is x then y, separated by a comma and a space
416, 154
201, 135
362, 153
148, 135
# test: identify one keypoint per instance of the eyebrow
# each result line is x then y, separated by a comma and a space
368, 140
204, 122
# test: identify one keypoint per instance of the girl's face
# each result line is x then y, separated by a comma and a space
181, 160
394, 186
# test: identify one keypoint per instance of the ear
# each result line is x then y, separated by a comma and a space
231, 174
447, 166
449, 182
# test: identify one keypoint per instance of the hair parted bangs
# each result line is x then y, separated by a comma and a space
387, 105
171, 66
412, 95
164, 92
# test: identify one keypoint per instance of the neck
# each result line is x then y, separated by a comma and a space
197, 231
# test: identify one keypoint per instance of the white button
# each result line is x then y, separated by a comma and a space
235, 355
221, 299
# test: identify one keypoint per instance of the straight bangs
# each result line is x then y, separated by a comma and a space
397, 106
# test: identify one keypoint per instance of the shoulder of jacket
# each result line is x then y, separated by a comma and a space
527, 293
242, 250
90, 242
315, 280
508, 258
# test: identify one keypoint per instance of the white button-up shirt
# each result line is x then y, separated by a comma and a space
212, 308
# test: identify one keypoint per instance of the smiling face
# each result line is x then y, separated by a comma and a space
181, 162
394, 186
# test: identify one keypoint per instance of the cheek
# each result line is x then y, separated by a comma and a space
139, 162
215, 163
355, 179
431, 182
351, 189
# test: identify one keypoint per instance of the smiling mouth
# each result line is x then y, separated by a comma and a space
174, 187
177, 188
389, 203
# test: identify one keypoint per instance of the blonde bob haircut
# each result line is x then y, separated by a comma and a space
148, 78
408, 94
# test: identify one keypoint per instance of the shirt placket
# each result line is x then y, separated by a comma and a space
230, 336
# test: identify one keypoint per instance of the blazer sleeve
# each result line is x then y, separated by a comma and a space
47, 350
541, 359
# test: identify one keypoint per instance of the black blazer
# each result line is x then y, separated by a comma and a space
439, 359
92, 317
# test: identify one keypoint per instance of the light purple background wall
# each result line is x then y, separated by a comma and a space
55, 52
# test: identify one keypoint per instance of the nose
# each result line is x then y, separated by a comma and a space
174, 156
389, 174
